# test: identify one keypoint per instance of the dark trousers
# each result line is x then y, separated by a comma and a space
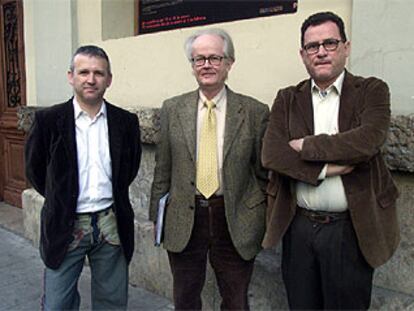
210, 237
323, 267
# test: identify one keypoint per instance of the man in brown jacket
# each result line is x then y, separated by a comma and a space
330, 193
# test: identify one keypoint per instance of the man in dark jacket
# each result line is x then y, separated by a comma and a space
81, 156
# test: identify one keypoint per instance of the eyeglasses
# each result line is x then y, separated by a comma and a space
213, 60
328, 45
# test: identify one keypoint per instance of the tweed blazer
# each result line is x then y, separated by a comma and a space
52, 169
364, 117
244, 178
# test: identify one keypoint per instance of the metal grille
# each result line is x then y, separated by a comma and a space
11, 51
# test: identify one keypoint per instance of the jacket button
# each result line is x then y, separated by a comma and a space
192, 183
191, 207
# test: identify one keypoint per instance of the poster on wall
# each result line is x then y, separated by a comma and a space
160, 15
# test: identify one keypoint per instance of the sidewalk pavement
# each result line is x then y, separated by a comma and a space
21, 271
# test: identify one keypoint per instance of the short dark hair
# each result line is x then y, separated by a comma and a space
320, 18
92, 51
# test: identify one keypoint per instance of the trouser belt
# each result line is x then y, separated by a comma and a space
214, 201
322, 216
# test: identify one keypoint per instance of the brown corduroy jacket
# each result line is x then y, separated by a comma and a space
364, 117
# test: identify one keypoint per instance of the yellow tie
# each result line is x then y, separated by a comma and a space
207, 174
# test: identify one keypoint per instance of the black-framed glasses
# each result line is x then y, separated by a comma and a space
213, 60
328, 45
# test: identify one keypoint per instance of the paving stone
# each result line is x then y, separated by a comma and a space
21, 279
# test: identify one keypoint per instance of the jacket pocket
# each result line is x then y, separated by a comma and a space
387, 197
254, 199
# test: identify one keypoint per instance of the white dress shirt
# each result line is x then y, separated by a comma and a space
221, 105
330, 194
94, 160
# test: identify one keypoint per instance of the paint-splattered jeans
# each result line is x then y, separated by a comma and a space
95, 236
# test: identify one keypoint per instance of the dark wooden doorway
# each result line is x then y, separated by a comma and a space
12, 96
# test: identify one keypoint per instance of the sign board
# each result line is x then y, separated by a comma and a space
160, 15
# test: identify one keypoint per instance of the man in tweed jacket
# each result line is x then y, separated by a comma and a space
229, 225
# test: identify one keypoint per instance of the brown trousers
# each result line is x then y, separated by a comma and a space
210, 237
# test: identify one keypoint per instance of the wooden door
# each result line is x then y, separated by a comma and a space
12, 96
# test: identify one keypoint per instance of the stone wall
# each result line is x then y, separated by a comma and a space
394, 286
399, 148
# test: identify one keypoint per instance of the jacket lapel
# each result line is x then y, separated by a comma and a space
115, 139
187, 115
66, 126
304, 105
234, 119
347, 102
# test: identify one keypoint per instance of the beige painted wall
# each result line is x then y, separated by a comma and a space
30, 56
89, 20
150, 68
383, 46
114, 27
49, 38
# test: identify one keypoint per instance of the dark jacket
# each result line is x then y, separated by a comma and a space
52, 169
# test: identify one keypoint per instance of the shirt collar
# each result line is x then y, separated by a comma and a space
337, 85
78, 110
218, 99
